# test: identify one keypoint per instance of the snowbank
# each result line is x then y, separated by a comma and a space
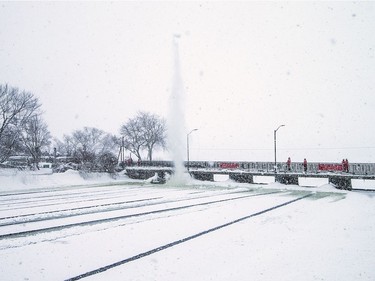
12, 179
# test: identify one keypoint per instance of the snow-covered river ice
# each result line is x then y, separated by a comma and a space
226, 231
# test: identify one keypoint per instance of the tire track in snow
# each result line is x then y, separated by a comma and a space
116, 218
69, 210
169, 245
60, 196
14, 222
72, 188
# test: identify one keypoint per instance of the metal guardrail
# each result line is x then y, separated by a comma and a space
313, 167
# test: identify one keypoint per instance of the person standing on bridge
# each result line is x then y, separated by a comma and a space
288, 162
345, 165
305, 165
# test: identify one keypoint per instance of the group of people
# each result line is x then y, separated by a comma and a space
289, 162
345, 165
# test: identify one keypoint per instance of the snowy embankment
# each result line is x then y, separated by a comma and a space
13, 179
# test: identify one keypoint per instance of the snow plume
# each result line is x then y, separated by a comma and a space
176, 119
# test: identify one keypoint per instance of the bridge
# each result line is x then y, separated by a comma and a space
245, 172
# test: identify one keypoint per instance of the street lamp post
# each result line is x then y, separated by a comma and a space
274, 138
187, 147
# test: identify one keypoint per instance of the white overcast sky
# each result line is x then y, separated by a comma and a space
247, 67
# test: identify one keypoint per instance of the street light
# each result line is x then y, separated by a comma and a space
274, 138
187, 147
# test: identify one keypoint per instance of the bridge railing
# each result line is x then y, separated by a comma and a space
297, 167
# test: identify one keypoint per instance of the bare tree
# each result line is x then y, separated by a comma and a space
15, 109
154, 132
89, 145
9, 143
35, 136
68, 146
60, 147
145, 131
133, 137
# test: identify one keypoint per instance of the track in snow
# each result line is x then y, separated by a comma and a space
13, 234
28, 217
177, 242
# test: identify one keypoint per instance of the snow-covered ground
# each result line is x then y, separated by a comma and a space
62, 226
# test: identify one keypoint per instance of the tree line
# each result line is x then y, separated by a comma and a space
24, 132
